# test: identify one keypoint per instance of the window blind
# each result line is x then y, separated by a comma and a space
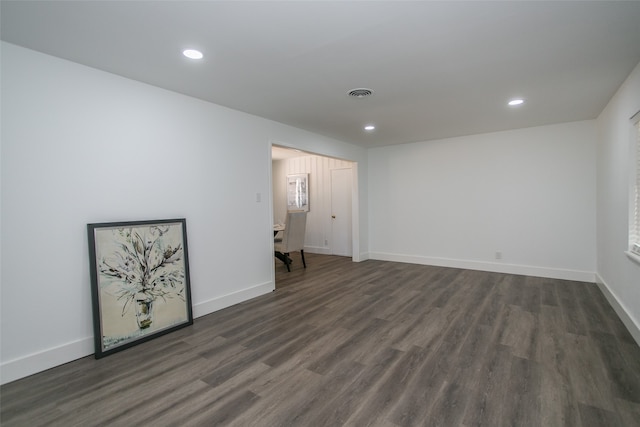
635, 237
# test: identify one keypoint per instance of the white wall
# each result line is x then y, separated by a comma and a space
82, 146
528, 193
319, 218
619, 276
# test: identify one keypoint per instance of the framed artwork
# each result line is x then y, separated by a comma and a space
298, 192
139, 281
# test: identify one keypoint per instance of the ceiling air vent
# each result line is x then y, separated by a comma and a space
360, 93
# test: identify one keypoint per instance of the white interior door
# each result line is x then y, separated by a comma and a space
341, 212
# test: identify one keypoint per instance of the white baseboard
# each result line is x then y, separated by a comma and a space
47, 359
363, 256
327, 251
218, 303
317, 250
554, 273
31, 364
632, 326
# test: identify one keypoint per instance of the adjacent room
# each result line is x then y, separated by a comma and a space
328, 186
467, 175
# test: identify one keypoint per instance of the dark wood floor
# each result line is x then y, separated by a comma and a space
363, 344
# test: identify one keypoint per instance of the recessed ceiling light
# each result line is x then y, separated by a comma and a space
515, 102
192, 54
369, 127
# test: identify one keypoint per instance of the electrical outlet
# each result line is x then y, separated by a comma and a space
326, 242
498, 254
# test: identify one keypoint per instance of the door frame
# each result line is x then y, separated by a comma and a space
355, 201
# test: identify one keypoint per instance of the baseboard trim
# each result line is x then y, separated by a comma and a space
553, 273
327, 251
363, 256
32, 364
218, 303
317, 250
632, 326
41, 361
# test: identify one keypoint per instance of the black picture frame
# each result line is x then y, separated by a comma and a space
140, 286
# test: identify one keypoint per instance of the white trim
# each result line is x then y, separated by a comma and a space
554, 273
37, 362
634, 182
218, 303
632, 325
633, 257
363, 257
50, 358
355, 214
270, 235
317, 250
357, 257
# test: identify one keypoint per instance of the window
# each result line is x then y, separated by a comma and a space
634, 211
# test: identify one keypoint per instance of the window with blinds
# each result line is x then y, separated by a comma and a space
634, 235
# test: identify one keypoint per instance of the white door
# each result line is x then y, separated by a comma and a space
341, 212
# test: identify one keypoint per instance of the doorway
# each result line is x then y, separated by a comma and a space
332, 192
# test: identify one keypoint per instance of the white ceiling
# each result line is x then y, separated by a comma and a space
438, 69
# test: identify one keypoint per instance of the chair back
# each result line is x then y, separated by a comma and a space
294, 231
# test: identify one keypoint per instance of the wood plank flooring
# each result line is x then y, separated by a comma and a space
363, 344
